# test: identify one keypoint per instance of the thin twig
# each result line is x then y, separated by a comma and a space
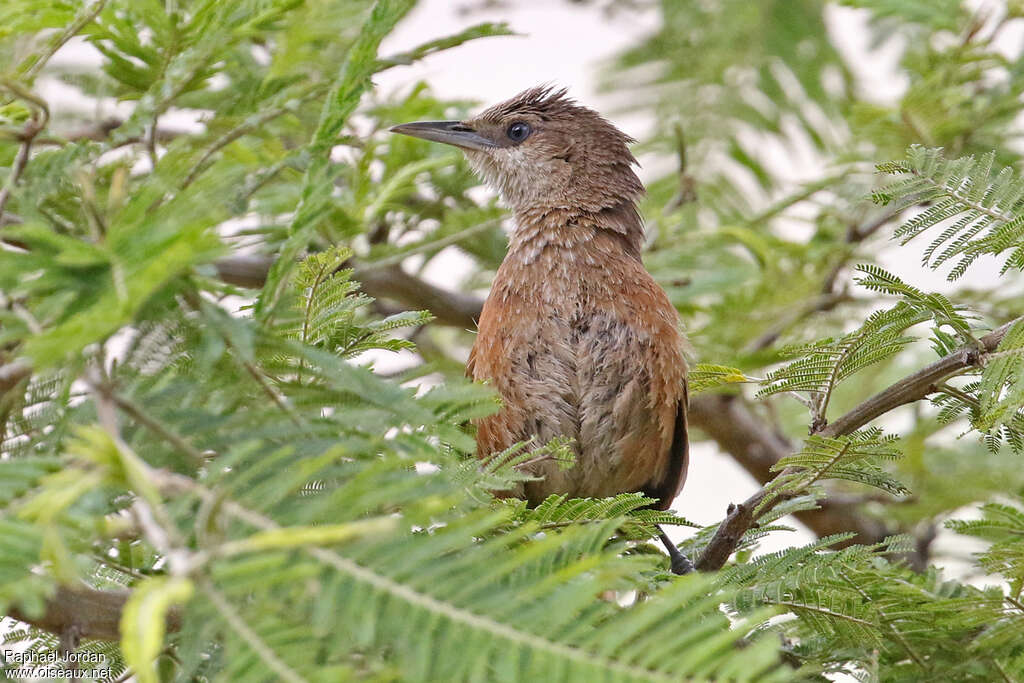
855, 234
153, 424
962, 395
250, 124
1015, 602
149, 139
1002, 672
966, 200
151, 517
885, 620
80, 22
819, 304
828, 299
279, 399
808, 190
911, 388
819, 610
687, 183
918, 385
40, 117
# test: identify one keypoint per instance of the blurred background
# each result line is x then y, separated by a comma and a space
759, 125
225, 287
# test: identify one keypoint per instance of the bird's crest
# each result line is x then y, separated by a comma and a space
544, 101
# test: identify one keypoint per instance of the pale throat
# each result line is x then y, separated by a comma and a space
562, 227
568, 245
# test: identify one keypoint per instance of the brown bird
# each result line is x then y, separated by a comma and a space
576, 336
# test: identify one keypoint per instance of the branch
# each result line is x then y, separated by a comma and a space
756, 446
918, 385
142, 417
244, 271
12, 373
34, 126
100, 131
38, 60
390, 282
247, 634
855, 234
766, 445
91, 613
387, 282
249, 125
728, 420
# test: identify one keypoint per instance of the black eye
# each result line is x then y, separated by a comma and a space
519, 131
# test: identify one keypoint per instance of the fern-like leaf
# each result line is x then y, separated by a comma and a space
853, 457
820, 366
976, 211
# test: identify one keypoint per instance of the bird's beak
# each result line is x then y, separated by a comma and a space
449, 132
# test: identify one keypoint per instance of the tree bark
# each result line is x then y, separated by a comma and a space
86, 613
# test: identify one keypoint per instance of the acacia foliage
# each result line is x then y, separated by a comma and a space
222, 450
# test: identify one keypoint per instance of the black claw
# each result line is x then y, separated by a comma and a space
680, 563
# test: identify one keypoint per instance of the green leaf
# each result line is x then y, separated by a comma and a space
979, 212
352, 81
854, 457
295, 537
706, 376
821, 366
144, 622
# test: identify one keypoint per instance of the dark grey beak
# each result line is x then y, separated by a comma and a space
449, 132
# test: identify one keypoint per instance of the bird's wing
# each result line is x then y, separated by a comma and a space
671, 484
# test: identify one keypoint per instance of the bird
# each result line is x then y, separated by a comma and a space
576, 336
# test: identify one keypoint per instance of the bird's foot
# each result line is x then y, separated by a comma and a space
679, 563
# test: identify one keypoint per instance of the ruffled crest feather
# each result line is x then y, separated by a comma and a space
545, 101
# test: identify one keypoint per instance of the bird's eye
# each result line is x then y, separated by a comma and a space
519, 131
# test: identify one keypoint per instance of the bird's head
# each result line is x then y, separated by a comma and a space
541, 150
